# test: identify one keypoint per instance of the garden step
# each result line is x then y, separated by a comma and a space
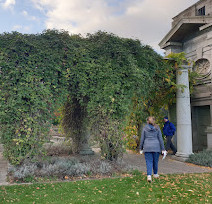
55, 132
56, 136
56, 139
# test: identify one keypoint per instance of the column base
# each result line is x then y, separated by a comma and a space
182, 156
86, 150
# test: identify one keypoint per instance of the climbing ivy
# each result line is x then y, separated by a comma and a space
94, 79
160, 96
32, 82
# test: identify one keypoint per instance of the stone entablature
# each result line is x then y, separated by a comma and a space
180, 33
193, 20
198, 9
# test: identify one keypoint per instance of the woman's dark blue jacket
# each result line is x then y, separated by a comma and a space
169, 128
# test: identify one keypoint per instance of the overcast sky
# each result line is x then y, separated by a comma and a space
146, 20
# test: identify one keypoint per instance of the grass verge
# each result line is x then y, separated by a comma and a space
182, 188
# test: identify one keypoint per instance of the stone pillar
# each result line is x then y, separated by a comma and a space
85, 135
184, 130
85, 148
209, 132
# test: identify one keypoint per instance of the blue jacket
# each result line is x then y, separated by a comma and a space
151, 139
169, 129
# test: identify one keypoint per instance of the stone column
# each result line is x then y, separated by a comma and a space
184, 130
85, 148
85, 135
209, 132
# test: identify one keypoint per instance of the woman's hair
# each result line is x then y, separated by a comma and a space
151, 120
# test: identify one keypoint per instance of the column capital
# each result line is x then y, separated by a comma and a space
185, 66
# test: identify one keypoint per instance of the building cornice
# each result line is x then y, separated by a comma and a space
194, 5
198, 20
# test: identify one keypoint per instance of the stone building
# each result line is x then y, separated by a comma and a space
191, 33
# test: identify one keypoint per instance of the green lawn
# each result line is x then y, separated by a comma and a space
184, 188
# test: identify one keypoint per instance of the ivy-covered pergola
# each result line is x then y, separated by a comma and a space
97, 80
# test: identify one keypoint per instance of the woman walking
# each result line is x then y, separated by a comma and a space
152, 145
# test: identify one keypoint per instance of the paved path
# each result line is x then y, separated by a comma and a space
166, 166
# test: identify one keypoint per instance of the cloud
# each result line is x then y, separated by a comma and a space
8, 4
25, 13
146, 20
21, 29
16, 27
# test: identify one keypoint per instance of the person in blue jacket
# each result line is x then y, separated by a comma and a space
169, 130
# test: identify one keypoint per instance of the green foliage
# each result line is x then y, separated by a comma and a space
108, 72
94, 76
72, 116
177, 59
119, 71
109, 133
131, 137
32, 83
162, 92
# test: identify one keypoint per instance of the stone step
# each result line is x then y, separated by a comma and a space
57, 139
54, 131
56, 135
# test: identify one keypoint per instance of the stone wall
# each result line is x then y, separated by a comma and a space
199, 46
